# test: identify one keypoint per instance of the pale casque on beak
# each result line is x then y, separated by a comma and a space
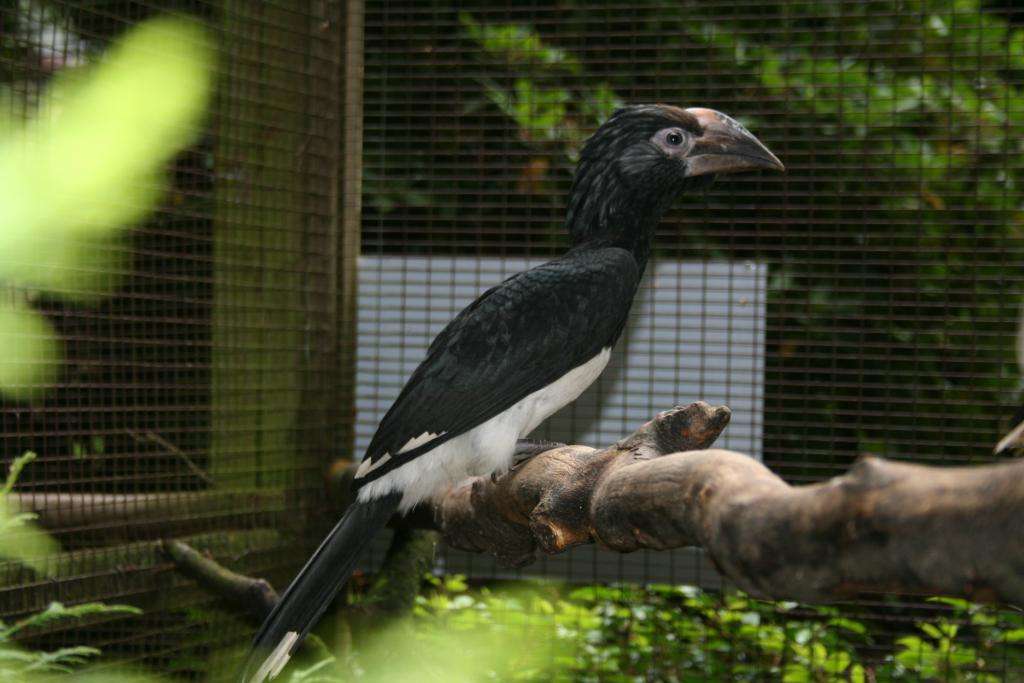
726, 147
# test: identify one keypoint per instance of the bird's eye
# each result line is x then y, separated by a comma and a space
672, 141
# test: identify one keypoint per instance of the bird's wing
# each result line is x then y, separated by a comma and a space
515, 339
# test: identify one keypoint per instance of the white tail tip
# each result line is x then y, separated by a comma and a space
276, 660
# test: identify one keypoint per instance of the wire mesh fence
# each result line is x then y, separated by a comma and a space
198, 399
864, 302
891, 298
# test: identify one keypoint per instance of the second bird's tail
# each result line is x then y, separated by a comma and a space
314, 588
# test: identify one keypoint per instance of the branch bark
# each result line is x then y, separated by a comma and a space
105, 518
251, 596
882, 527
392, 593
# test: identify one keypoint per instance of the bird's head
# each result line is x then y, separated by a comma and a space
645, 156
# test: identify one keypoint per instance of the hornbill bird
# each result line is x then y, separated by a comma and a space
523, 349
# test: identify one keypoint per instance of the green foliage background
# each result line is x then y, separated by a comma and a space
894, 241
681, 633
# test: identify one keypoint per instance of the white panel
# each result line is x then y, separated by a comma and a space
696, 331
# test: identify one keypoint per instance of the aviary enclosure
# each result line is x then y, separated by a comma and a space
357, 172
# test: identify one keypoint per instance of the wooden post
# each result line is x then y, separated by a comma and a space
260, 305
351, 214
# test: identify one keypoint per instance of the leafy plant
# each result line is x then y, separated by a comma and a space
683, 633
539, 86
455, 634
17, 663
672, 633
20, 539
940, 650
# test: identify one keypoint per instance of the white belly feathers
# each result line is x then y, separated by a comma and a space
487, 447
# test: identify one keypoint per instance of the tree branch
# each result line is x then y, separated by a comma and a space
882, 527
255, 597
392, 593
106, 518
572, 495
250, 596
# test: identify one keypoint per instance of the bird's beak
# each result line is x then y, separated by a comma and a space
726, 147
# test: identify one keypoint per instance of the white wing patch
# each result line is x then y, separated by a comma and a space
368, 465
486, 448
273, 664
419, 441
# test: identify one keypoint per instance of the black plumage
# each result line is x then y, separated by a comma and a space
569, 309
323, 576
537, 325
524, 348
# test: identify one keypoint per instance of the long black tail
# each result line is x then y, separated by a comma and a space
311, 592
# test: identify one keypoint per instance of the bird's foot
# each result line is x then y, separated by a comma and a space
526, 450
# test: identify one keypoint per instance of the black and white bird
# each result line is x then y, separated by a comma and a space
523, 349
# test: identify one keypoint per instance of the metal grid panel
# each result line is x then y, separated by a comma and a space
891, 314
195, 400
892, 243
404, 301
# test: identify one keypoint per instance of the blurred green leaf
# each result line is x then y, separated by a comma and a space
92, 161
89, 164
20, 538
31, 353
